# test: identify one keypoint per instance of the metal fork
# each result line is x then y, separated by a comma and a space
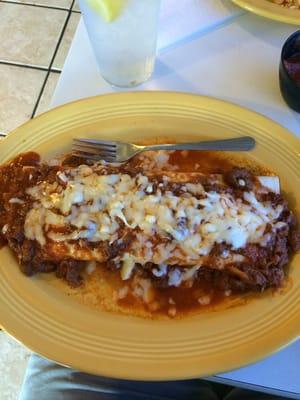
119, 152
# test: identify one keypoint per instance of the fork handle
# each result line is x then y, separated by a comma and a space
244, 143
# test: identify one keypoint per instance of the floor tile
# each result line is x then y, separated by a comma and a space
19, 91
76, 6
50, 3
48, 93
13, 362
31, 33
66, 41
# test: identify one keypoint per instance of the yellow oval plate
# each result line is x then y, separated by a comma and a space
266, 8
37, 312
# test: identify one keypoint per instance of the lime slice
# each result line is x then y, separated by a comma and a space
108, 9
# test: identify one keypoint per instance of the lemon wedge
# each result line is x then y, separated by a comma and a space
108, 9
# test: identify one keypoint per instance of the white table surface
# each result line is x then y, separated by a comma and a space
237, 60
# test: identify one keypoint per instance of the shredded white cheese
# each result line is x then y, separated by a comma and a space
95, 206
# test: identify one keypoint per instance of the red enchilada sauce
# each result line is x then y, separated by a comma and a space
265, 267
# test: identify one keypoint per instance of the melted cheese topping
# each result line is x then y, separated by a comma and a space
84, 204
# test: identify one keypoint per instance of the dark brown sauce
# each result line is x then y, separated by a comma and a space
13, 179
209, 162
204, 161
184, 299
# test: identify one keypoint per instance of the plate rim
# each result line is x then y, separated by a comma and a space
158, 93
271, 13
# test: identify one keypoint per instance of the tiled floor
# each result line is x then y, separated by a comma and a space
35, 38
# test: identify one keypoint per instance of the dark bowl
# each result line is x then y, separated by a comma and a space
290, 87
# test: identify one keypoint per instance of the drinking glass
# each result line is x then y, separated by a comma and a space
125, 48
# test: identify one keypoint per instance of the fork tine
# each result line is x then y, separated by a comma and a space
92, 142
95, 154
92, 149
94, 157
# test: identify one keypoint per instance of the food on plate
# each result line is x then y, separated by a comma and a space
170, 232
293, 4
